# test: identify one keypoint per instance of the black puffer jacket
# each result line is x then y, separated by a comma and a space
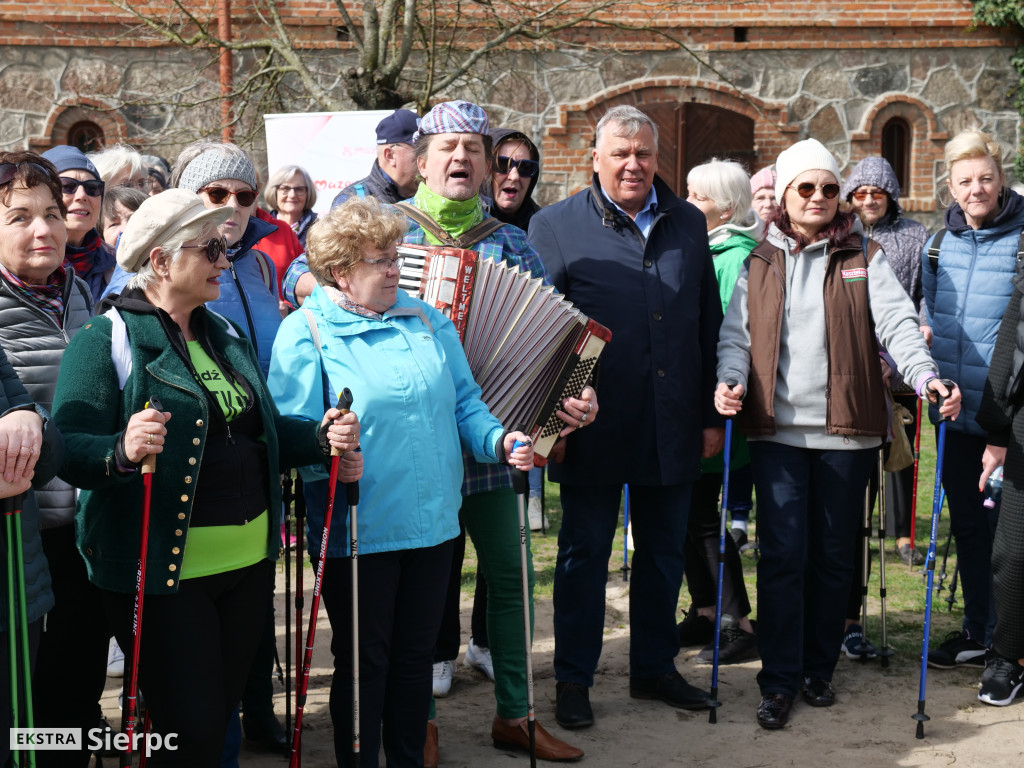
38, 592
35, 344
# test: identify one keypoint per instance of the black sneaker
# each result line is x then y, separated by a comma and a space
695, 629
734, 646
670, 688
572, 705
739, 536
856, 646
910, 556
1000, 681
957, 650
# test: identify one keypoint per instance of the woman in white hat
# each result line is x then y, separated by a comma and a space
798, 365
216, 500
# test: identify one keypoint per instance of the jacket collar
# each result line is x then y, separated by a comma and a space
613, 217
255, 231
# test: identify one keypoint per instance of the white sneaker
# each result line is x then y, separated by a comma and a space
479, 658
535, 512
115, 660
444, 675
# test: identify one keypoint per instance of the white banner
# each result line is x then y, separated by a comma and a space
336, 148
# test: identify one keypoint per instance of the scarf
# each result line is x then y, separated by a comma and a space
453, 216
49, 297
83, 257
347, 304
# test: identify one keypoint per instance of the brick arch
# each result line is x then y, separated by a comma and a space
67, 114
926, 145
566, 142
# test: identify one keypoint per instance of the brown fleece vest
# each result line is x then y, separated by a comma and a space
855, 395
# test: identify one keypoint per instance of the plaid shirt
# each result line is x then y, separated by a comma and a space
507, 244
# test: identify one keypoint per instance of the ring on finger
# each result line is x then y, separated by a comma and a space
149, 439
583, 419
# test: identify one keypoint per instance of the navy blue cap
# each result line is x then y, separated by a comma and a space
398, 127
67, 158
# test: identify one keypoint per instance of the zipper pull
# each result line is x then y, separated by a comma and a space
229, 440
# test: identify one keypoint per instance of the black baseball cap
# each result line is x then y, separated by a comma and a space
398, 127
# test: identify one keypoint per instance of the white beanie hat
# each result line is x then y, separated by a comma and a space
806, 155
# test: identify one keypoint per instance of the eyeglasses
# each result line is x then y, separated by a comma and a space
142, 184
9, 170
215, 248
861, 194
284, 189
219, 196
383, 265
93, 187
527, 168
806, 189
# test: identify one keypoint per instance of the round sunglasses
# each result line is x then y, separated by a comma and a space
219, 196
527, 168
215, 248
806, 189
861, 194
92, 187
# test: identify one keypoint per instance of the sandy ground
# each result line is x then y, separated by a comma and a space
870, 725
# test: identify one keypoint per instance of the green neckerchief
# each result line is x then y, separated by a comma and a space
453, 216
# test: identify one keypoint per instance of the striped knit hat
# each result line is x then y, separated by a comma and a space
453, 117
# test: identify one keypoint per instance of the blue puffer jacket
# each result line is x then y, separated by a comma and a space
966, 296
244, 296
418, 407
38, 593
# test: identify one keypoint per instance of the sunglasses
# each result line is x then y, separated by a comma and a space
527, 168
215, 248
864, 195
806, 189
383, 265
93, 187
219, 196
9, 170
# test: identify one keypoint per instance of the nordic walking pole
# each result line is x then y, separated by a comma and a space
951, 598
913, 497
300, 547
937, 497
302, 685
148, 468
352, 497
945, 554
714, 703
520, 483
289, 498
625, 534
885, 651
17, 614
865, 554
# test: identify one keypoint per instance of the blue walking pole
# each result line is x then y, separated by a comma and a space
714, 703
937, 498
625, 535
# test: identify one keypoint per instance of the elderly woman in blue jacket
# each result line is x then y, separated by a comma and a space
967, 274
420, 407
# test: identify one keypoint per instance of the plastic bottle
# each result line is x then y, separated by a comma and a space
994, 488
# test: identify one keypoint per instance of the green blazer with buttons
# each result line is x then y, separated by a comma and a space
91, 410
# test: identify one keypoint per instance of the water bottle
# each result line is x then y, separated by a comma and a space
994, 488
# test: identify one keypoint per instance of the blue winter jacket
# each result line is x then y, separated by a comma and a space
244, 295
418, 409
965, 298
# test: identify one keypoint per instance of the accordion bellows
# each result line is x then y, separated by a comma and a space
528, 347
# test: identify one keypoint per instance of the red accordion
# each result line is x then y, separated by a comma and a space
528, 347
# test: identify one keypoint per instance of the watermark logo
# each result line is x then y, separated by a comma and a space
96, 739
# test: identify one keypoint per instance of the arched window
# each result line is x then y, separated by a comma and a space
86, 136
896, 142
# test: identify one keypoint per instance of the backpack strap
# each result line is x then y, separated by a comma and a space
120, 351
360, 191
468, 239
266, 269
314, 332
933, 249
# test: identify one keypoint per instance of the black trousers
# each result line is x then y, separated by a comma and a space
701, 548
449, 638
197, 649
401, 597
72, 668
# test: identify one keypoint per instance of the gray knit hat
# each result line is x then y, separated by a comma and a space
215, 164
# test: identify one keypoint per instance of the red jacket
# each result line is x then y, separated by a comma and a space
282, 246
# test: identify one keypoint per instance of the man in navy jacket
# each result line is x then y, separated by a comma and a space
634, 256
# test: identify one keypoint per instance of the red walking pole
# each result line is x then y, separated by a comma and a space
148, 468
344, 403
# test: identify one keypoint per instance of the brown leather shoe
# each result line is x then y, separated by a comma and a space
517, 737
430, 751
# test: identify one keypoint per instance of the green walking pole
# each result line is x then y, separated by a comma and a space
17, 612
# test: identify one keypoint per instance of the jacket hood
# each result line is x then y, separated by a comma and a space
255, 231
521, 218
876, 172
750, 227
1011, 213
